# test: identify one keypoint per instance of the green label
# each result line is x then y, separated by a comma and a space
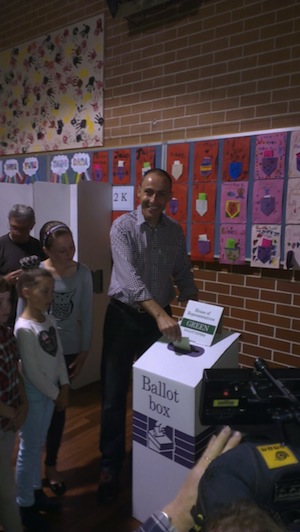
225, 403
198, 326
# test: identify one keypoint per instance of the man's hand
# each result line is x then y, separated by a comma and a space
62, 400
179, 510
169, 327
76, 366
12, 277
166, 324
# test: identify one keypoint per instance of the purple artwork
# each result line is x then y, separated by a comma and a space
232, 243
267, 201
270, 154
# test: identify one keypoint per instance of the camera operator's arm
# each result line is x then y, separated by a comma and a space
176, 516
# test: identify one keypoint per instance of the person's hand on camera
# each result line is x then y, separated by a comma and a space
179, 510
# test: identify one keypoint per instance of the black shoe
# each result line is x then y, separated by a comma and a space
31, 520
108, 488
43, 503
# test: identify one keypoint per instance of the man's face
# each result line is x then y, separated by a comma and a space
19, 230
154, 194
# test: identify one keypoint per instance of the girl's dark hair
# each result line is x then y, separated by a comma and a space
4, 285
30, 278
50, 230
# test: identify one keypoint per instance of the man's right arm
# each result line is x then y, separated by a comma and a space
166, 324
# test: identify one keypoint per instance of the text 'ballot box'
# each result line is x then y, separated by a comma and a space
167, 434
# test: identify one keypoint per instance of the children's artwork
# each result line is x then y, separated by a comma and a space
11, 172
121, 167
292, 215
204, 202
267, 201
144, 161
30, 168
292, 247
51, 96
202, 242
60, 169
232, 244
100, 166
294, 155
270, 154
233, 207
178, 161
80, 164
236, 154
177, 206
205, 161
265, 246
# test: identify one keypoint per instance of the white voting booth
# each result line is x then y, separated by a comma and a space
86, 209
167, 434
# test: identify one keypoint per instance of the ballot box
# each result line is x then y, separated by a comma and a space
167, 434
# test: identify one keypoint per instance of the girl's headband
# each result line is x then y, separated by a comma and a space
53, 230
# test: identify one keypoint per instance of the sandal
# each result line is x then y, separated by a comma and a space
58, 488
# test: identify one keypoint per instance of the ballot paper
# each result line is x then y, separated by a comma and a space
183, 344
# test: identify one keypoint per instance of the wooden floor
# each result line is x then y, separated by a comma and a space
79, 463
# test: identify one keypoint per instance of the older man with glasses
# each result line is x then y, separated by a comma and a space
15, 245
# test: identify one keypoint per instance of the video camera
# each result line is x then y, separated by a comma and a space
265, 468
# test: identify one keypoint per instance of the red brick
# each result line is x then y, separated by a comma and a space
272, 343
273, 319
280, 297
292, 336
241, 291
260, 329
231, 301
257, 351
287, 360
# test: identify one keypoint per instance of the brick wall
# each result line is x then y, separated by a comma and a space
189, 70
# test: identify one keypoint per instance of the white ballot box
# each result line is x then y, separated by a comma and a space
167, 434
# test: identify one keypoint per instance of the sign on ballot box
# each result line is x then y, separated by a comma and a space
167, 434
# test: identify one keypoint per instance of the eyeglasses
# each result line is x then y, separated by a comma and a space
20, 228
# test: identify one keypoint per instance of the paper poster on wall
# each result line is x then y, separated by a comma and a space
121, 167
204, 202
144, 161
52, 91
122, 198
80, 164
294, 155
292, 247
178, 161
60, 169
11, 171
236, 155
100, 166
265, 246
232, 244
30, 169
202, 241
270, 154
267, 201
205, 161
233, 205
23, 170
292, 215
177, 206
